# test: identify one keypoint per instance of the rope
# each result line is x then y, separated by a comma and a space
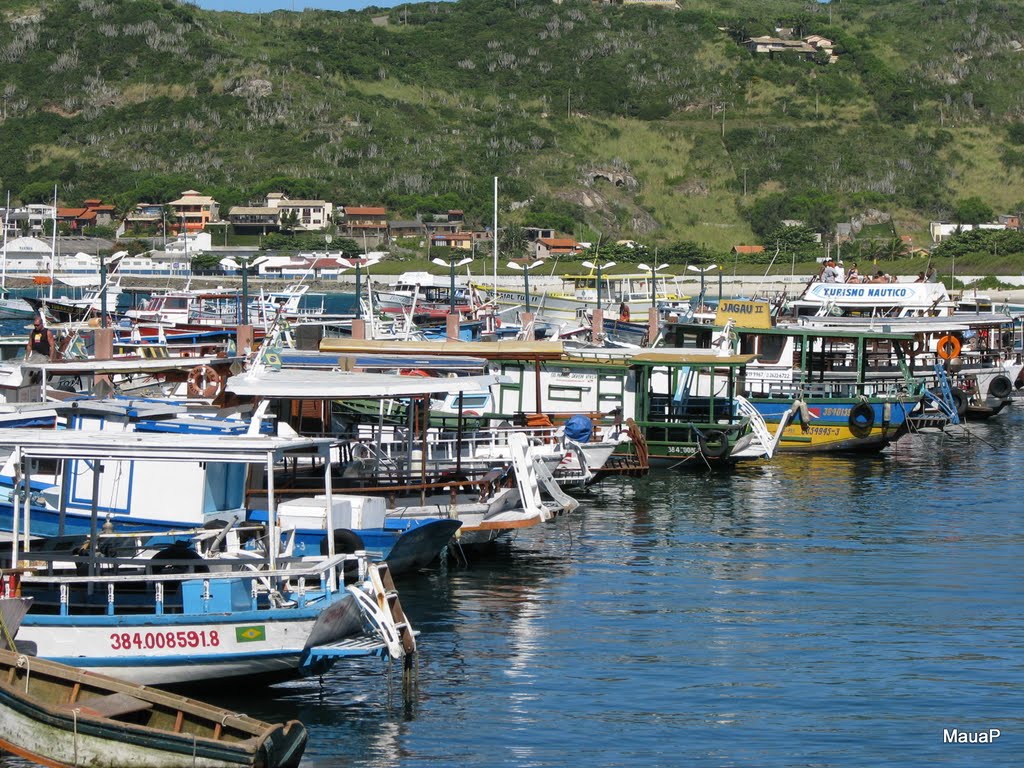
74, 719
8, 638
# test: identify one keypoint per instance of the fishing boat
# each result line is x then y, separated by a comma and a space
682, 405
170, 616
57, 715
580, 295
850, 397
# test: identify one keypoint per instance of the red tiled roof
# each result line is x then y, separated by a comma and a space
559, 242
323, 264
748, 248
356, 210
70, 213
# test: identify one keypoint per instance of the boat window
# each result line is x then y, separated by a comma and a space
770, 347
567, 394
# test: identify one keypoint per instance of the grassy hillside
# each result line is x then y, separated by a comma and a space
420, 106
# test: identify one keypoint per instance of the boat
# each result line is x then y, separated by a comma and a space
578, 297
682, 405
132, 602
57, 715
852, 394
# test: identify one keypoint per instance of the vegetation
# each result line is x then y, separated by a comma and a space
602, 121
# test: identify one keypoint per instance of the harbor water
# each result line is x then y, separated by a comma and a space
809, 611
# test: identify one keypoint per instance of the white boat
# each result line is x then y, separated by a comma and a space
267, 618
578, 297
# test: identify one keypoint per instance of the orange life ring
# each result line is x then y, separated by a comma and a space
948, 347
203, 381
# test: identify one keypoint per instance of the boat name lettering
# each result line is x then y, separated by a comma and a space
824, 431
852, 292
126, 641
745, 307
682, 449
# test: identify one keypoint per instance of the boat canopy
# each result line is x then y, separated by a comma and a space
74, 444
692, 359
304, 384
489, 350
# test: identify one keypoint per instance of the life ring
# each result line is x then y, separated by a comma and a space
203, 381
1000, 387
948, 347
861, 420
713, 444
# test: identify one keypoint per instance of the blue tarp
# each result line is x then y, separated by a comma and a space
579, 428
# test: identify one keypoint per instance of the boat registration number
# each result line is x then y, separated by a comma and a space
126, 641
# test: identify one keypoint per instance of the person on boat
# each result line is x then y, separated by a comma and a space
921, 278
930, 276
624, 312
880, 277
829, 273
853, 274
40, 346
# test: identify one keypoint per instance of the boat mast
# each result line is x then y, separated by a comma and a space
53, 241
495, 297
3, 274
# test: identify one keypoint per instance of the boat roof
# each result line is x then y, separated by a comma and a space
874, 328
132, 365
679, 357
299, 384
350, 361
84, 444
889, 326
489, 350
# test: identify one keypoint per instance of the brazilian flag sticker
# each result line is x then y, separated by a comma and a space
250, 634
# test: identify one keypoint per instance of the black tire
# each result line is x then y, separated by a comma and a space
713, 444
179, 553
960, 400
1000, 388
345, 542
861, 420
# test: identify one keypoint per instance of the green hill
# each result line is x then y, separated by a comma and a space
637, 122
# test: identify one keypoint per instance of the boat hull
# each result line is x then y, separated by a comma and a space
831, 425
42, 718
187, 649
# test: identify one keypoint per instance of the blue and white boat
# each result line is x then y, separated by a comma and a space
251, 611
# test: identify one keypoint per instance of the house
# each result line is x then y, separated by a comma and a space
365, 221
773, 45
253, 219
145, 218
309, 215
76, 219
747, 250
104, 214
462, 241
406, 228
192, 211
552, 247
532, 234
1010, 220
941, 230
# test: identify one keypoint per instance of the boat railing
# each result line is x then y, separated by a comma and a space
301, 579
874, 387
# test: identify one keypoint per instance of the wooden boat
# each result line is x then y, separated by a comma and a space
61, 716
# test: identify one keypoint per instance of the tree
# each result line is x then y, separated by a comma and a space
973, 210
289, 220
512, 241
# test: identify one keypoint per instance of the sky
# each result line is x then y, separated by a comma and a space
257, 6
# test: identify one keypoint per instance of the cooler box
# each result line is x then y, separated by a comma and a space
312, 514
362, 512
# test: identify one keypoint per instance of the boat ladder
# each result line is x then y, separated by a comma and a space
531, 473
384, 611
944, 401
757, 424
